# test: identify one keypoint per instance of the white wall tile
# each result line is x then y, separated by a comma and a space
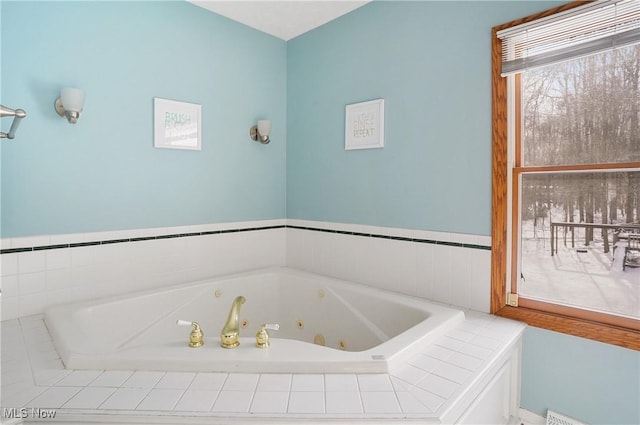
89, 398
441, 288
9, 307
380, 402
58, 258
21, 397
31, 262
424, 270
297, 251
79, 378
233, 401
31, 304
306, 402
58, 279
54, 397
9, 286
9, 264
125, 398
408, 373
31, 283
341, 382
425, 363
452, 373
302, 382
160, 399
241, 382
176, 380
66, 295
111, 378
339, 256
83, 255
343, 402
143, 379
430, 400
5, 243
197, 401
418, 269
411, 404
30, 241
208, 381
274, 382
270, 402
374, 382
438, 386
481, 280
461, 273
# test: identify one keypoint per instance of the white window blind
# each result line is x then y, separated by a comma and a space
596, 27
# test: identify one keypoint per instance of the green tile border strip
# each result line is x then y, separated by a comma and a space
248, 229
395, 238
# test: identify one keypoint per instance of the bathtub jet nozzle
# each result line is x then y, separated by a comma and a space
231, 330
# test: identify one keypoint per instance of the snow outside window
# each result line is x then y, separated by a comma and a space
577, 145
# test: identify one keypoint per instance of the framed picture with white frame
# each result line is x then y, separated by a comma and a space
364, 125
176, 125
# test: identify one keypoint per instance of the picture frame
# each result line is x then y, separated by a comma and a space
364, 125
177, 125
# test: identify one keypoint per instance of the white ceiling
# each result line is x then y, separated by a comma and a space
284, 19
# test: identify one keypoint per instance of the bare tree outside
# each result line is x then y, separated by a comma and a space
580, 113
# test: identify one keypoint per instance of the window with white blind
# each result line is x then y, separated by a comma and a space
567, 169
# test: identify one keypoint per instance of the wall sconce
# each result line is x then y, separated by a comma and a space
70, 103
260, 132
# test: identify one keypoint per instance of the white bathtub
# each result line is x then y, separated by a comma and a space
365, 329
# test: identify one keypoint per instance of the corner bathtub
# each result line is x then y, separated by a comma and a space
364, 329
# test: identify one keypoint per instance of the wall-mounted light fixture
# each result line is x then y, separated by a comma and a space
260, 132
70, 103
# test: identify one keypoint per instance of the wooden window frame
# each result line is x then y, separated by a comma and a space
624, 333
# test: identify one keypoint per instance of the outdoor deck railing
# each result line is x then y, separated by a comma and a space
568, 225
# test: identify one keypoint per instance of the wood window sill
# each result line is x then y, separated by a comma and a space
609, 334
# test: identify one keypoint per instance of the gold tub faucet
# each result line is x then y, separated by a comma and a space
231, 330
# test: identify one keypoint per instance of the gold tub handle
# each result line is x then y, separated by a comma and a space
196, 338
262, 337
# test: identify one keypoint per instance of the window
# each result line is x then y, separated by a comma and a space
566, 170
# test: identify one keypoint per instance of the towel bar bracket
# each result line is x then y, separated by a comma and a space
17, 114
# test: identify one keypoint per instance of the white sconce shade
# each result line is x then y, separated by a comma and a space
264, 127
70, 104
260, 133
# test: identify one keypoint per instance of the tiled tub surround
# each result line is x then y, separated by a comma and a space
435, 386
473, 369
41, 271
449, 268
96, 265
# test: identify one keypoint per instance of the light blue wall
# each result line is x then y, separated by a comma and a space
430, 61
104, 173
434, 172
587, 380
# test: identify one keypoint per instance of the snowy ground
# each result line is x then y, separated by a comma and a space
594, 279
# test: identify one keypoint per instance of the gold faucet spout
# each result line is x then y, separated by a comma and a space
231, 329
